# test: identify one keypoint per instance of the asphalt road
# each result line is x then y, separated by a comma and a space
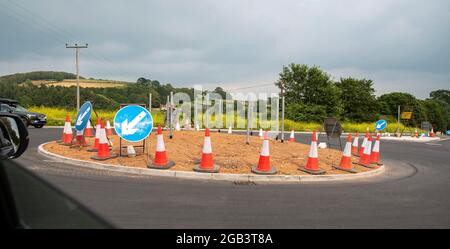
414, 192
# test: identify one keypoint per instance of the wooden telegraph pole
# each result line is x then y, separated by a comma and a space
77, 55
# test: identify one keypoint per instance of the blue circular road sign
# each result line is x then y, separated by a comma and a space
133, 123
84, 114
380, 125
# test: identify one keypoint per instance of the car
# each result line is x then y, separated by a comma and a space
38, 120
27, 200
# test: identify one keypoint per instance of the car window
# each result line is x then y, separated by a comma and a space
39, 205
19, 108
4, 108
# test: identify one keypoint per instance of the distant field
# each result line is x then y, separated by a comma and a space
83, 83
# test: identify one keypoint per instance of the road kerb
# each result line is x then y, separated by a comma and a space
210, 176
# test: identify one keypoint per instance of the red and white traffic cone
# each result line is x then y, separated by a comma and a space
312, 165
264, 167
355, 145
363, 145
79, 140
207, 164
416, 133
346, 161
160, 161
88, 130
97, 136
103, 152
292, 136
364, 159
432, 132
375, 156
67, 136
108, 128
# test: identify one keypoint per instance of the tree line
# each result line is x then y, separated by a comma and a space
311, 95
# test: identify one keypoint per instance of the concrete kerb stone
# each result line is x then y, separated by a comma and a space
210, 176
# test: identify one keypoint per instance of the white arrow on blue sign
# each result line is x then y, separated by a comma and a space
133, 123
380, 125
84, 114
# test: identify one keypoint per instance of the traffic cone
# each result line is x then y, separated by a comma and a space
292, 136
160, 161
364, 159
97, 136
355, 145
103, 148
230, 130
346, 161
375, 156
361, 149
416, 134
264, 167
79, 140
67, 132
432, 132
108, 128
312, 165
207, 165
88, 130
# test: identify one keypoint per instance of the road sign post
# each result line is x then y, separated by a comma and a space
133, 123
380, 125
84, 114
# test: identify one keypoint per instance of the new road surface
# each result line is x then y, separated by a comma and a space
414, 192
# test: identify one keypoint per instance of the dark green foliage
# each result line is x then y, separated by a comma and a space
312, 88
306, 112
37, 75
103, 98
358, 99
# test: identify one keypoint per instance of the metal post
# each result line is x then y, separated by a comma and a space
171, 118
77, 55
398, 119
282, 112
248, 121
207, 111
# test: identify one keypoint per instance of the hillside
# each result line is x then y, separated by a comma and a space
86, 83
37, 75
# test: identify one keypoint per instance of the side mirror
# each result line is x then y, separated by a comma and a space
13, 136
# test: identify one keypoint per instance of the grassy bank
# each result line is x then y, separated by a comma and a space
57, 116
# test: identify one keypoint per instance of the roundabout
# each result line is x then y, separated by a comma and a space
233, 158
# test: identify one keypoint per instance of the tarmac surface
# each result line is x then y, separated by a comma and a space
414, 192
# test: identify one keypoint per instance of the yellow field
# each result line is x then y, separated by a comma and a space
83, 83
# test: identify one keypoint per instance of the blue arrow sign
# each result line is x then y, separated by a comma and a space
133, 123
380, 125
83, 116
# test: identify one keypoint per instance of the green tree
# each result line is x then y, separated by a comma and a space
389, 106
443, 95
358, 99
310, 86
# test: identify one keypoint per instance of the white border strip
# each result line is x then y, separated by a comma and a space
210, 176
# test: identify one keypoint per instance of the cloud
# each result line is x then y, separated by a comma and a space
233, 43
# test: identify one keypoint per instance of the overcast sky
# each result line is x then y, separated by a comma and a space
402, 45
